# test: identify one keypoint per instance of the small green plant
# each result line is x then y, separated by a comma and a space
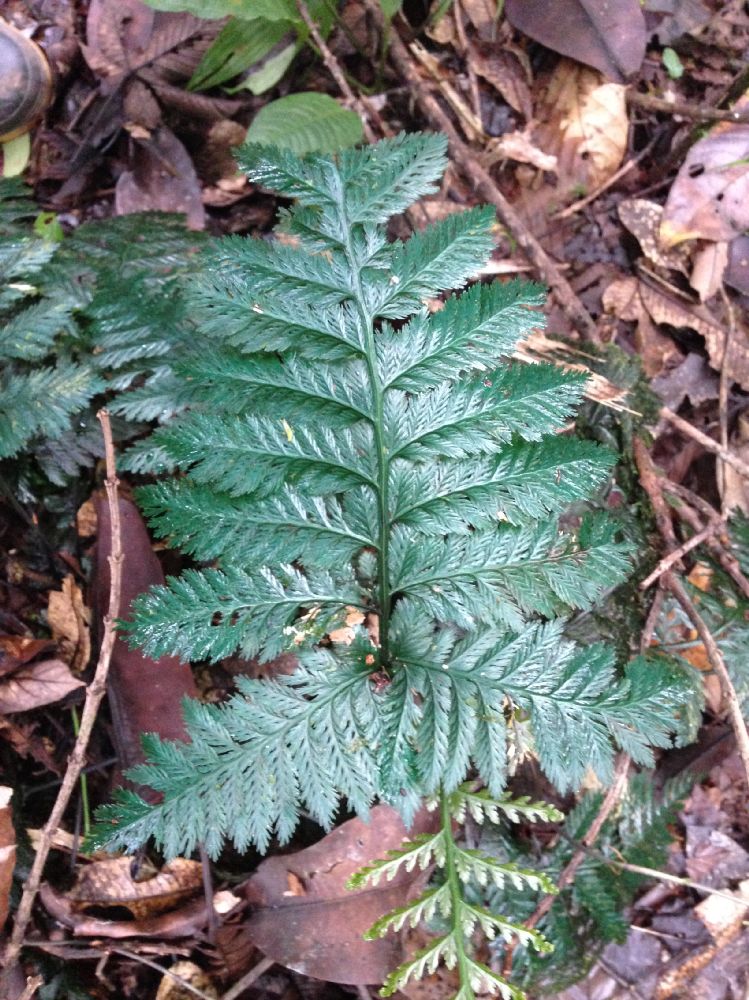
355, 443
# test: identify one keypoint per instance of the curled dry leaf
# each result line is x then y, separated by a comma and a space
303, 916
36, 684
584, 124
110, 882
610, 37
709, 199
188, 921
7, 851
70, 623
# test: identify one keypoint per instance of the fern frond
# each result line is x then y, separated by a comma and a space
213, 613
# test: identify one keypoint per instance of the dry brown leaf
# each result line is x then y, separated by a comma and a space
623, 298
723, 918
171, 989
7, 851
643, 219
16, 650
36, 684
585, 125
70, 623
709, 199
85, 519
347, 633
318, 931
608, 36
110, 883
709, 266
505, 72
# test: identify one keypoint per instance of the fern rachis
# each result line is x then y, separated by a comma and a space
347, 448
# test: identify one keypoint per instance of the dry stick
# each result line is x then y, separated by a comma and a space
701, 113
32, 985
547, 269
610, 802
94, 695
723, 398
248, 979
707, 442
472, 78
335, 70
718, 664
670, 560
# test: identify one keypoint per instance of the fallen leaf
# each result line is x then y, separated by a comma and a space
610, 37
145, 695
85, 519
318, 932
692, 378
583, 122
723, 918
709, 266
162, 179
737, 272
504, 71
110, 883
18, 649
643, 219
70, 623
624, 299
36, 684
713, 858
709, 199
347, 632
7, 851
171, 989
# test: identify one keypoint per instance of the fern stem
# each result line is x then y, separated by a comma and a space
383, 459
456, 895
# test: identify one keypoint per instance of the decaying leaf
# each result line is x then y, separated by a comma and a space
610, 37
36, 684
519, 147
70, 623
584, 124
16, 650
504, 71
7, 851
643, 219
709, 199
110, 883
170, 988
737, 272
303, 916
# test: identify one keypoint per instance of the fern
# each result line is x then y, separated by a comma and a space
99, 310
348, 447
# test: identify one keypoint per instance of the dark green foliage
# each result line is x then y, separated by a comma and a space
592, 911
99, 310
347, 448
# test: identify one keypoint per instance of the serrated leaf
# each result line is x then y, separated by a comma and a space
306, 123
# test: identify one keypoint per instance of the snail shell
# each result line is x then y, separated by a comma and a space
25, 83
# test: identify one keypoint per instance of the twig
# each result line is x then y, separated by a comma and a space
652, 486
335, 70
576, 206
718, 664
567, 875
670, 560
248, 979
687, 883
723, 398
470, 122
486, 187
700, 113
473, 83
94, 695
707, 442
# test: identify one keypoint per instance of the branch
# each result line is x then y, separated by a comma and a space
699, 113
94, 695
485, 186
707, 442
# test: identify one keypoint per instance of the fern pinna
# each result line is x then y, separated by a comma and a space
355, 444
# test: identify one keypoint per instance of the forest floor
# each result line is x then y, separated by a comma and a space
618, 160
